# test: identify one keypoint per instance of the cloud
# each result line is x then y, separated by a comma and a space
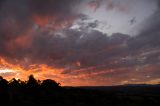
20, 18
37, 36
95, 4
121, 6
109, 4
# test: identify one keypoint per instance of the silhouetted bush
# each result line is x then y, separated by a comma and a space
50, 84
3, 89
32, 83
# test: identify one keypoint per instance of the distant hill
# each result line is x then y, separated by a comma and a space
128, 86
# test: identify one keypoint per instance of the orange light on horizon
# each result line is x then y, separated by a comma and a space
5, 70
9, 71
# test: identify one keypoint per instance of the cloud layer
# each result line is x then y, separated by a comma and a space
37, 37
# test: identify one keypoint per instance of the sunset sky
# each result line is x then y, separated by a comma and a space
81, 42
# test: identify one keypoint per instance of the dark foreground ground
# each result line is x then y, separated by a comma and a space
49, 94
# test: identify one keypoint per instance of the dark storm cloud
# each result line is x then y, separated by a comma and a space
20, 13
26, 38
149, 37
18, 16
122, 51
52, 6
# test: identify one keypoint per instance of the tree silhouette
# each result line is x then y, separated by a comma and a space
50, 84
14, 83
3, 84
3, 89
32, 83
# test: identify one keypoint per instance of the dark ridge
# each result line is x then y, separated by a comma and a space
49, 93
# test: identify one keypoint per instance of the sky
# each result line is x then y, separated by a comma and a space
81, 42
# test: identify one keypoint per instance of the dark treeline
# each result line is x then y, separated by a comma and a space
49, 93
13, 91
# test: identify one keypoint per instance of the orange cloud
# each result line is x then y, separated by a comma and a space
22, 41
41, 20
94, 4
118, 6
52, 23
84, 76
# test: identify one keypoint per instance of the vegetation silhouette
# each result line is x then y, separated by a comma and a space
49, 93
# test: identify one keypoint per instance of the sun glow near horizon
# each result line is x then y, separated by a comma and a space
6, 70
